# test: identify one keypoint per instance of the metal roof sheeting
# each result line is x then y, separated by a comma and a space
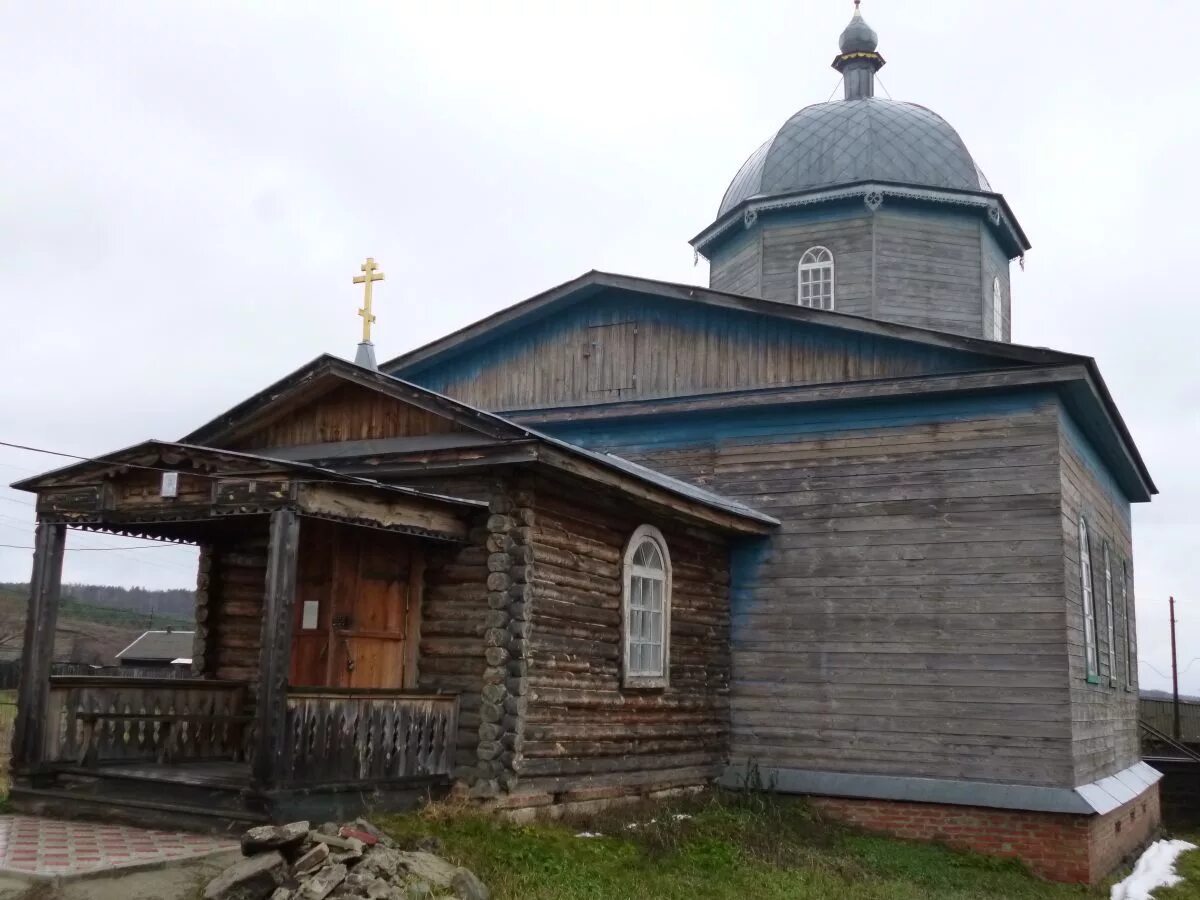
848, 141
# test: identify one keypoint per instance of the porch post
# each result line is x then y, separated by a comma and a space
278, 601
40, 621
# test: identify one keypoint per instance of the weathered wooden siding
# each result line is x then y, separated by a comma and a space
346, 413
737, 266
1104, 715
849, 239
928, 270
584, 732
996, 265
908, 618
901, 263
674, 350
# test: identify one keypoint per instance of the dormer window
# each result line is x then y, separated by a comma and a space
816, 278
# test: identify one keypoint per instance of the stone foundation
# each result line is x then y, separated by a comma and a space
1055, 846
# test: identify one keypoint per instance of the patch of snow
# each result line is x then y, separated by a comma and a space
1155, 869
679, 817
589, 834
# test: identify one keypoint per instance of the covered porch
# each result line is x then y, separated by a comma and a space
304, 694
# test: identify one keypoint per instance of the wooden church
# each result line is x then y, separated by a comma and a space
818, 528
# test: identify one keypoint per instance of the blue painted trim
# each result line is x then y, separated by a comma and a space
1092, 460
757, 426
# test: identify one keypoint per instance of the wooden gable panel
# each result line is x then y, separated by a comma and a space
348, 412
627, 346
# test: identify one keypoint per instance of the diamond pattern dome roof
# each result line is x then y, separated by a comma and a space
846, 141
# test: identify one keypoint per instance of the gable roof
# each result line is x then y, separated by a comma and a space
309, 381
165, 645
1088, 388
591, 283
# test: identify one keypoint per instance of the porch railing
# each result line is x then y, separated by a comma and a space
133, 719
339, 736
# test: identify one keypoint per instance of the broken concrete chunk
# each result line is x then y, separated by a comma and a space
382, 863
274, 837
249, 879
321, 884
468, 886
283, 894
428, 867
313, 859
337, 843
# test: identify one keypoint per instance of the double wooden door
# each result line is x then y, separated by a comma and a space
358, 601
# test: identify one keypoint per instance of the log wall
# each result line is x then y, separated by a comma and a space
584, 735
453, 617
233, 607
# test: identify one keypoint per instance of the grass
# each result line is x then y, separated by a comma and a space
729, 846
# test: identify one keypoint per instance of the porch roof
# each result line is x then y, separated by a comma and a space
129, 487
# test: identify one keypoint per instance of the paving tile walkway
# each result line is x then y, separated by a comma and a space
47, 848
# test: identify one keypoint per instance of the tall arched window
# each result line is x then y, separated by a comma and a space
815, 277
1090, 637
1130, 634
646, 609
1110, 617
997, 310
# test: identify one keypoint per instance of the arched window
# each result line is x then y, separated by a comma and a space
816, 278
1130, 634
997, 310
1090, 637
1110, 617
646, 609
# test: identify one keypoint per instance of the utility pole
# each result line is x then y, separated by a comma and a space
1174, 671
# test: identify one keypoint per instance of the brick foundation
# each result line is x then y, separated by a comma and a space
1056, 846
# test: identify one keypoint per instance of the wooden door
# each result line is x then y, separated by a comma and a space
359, 594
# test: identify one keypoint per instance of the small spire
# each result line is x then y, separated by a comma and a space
858, 62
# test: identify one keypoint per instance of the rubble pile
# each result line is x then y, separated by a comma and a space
297, 862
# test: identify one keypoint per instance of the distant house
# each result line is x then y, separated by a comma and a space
164, 649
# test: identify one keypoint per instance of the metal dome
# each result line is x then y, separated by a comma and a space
859, 37
848, 141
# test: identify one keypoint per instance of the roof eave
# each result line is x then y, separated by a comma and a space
1003, 220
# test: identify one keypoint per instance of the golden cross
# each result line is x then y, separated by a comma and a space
369, 276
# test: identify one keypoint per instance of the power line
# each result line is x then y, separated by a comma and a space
127, 465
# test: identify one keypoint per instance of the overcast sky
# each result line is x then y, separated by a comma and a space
187, 190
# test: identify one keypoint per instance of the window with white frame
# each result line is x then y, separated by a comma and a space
1130, 634
997, 310
1109, 611
815, 278
646, 609
1090, 636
